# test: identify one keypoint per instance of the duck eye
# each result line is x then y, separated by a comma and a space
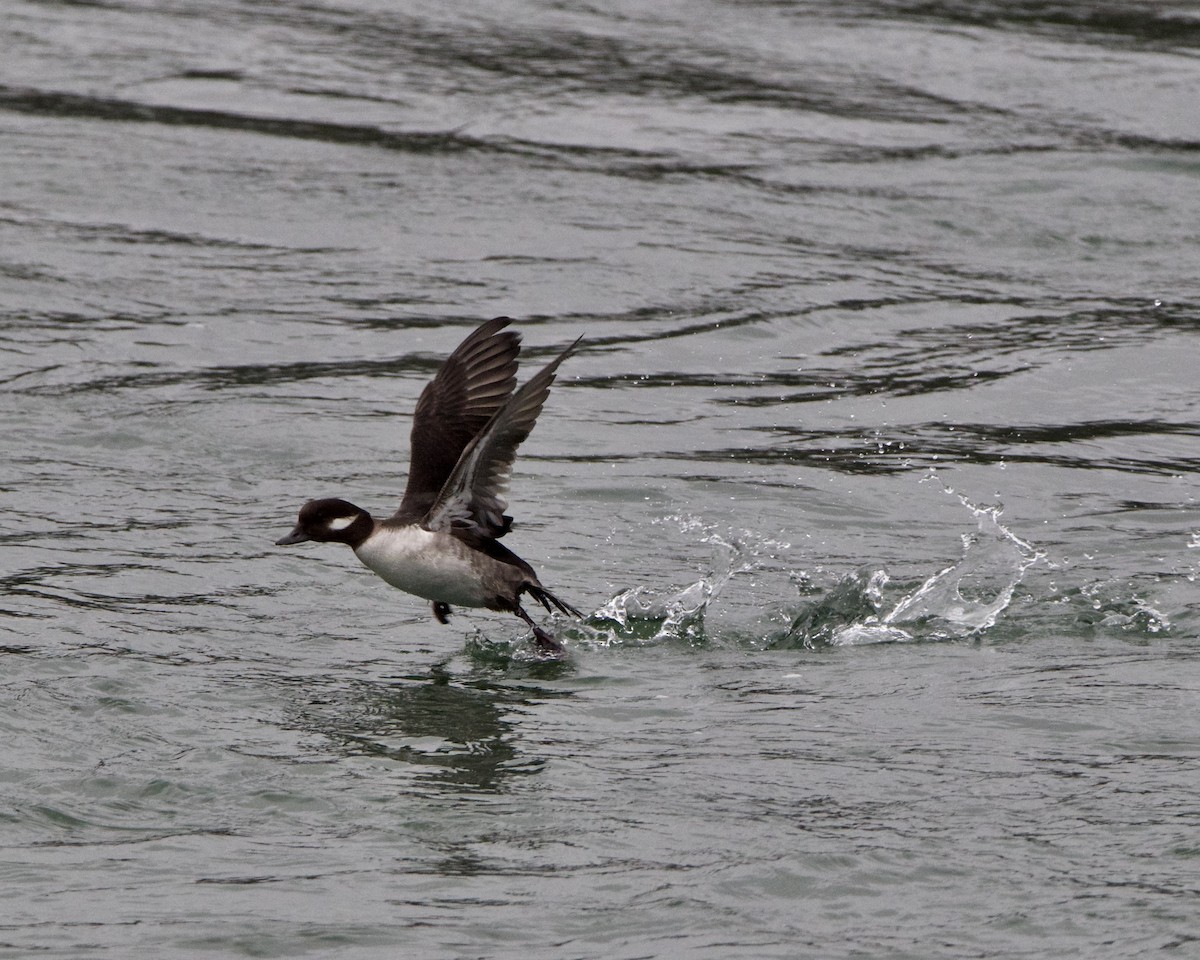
339, 523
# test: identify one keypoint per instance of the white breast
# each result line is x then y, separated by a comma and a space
430, 565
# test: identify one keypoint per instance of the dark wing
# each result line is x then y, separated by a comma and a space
465, 394
473, 498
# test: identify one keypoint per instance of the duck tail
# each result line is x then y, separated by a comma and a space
546, 598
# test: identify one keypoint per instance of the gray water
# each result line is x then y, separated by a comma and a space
876, 475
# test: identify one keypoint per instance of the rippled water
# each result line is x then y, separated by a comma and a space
876, 472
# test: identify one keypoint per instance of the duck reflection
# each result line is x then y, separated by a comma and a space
465, 734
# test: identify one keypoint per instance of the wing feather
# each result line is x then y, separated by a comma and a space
473, 498
468, 390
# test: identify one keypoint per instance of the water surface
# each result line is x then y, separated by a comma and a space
876, 475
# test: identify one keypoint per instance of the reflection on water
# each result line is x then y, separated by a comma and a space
457, 737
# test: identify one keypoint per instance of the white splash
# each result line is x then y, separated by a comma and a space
961, 600
638, 615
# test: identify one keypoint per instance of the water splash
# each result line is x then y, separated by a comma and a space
968, 597
636, 615
851, 605
639, 615
962, 600
1116, 605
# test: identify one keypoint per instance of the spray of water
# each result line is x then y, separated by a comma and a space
962, 600
969, 596
639, 615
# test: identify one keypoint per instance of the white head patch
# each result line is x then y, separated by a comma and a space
340, 523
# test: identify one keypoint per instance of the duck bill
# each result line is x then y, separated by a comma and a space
296, 536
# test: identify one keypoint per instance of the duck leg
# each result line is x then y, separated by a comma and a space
546, 644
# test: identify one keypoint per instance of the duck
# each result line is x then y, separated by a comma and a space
443, 542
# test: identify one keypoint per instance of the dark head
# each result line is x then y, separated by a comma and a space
330, 520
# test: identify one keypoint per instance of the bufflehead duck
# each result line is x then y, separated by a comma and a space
443, 544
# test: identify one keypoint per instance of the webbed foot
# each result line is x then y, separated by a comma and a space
547, 646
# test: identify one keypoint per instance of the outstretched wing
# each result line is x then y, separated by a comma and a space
473, 498
465, 394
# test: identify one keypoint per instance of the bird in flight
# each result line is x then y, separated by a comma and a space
443, 543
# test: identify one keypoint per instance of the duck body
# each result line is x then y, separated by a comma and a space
436, 566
